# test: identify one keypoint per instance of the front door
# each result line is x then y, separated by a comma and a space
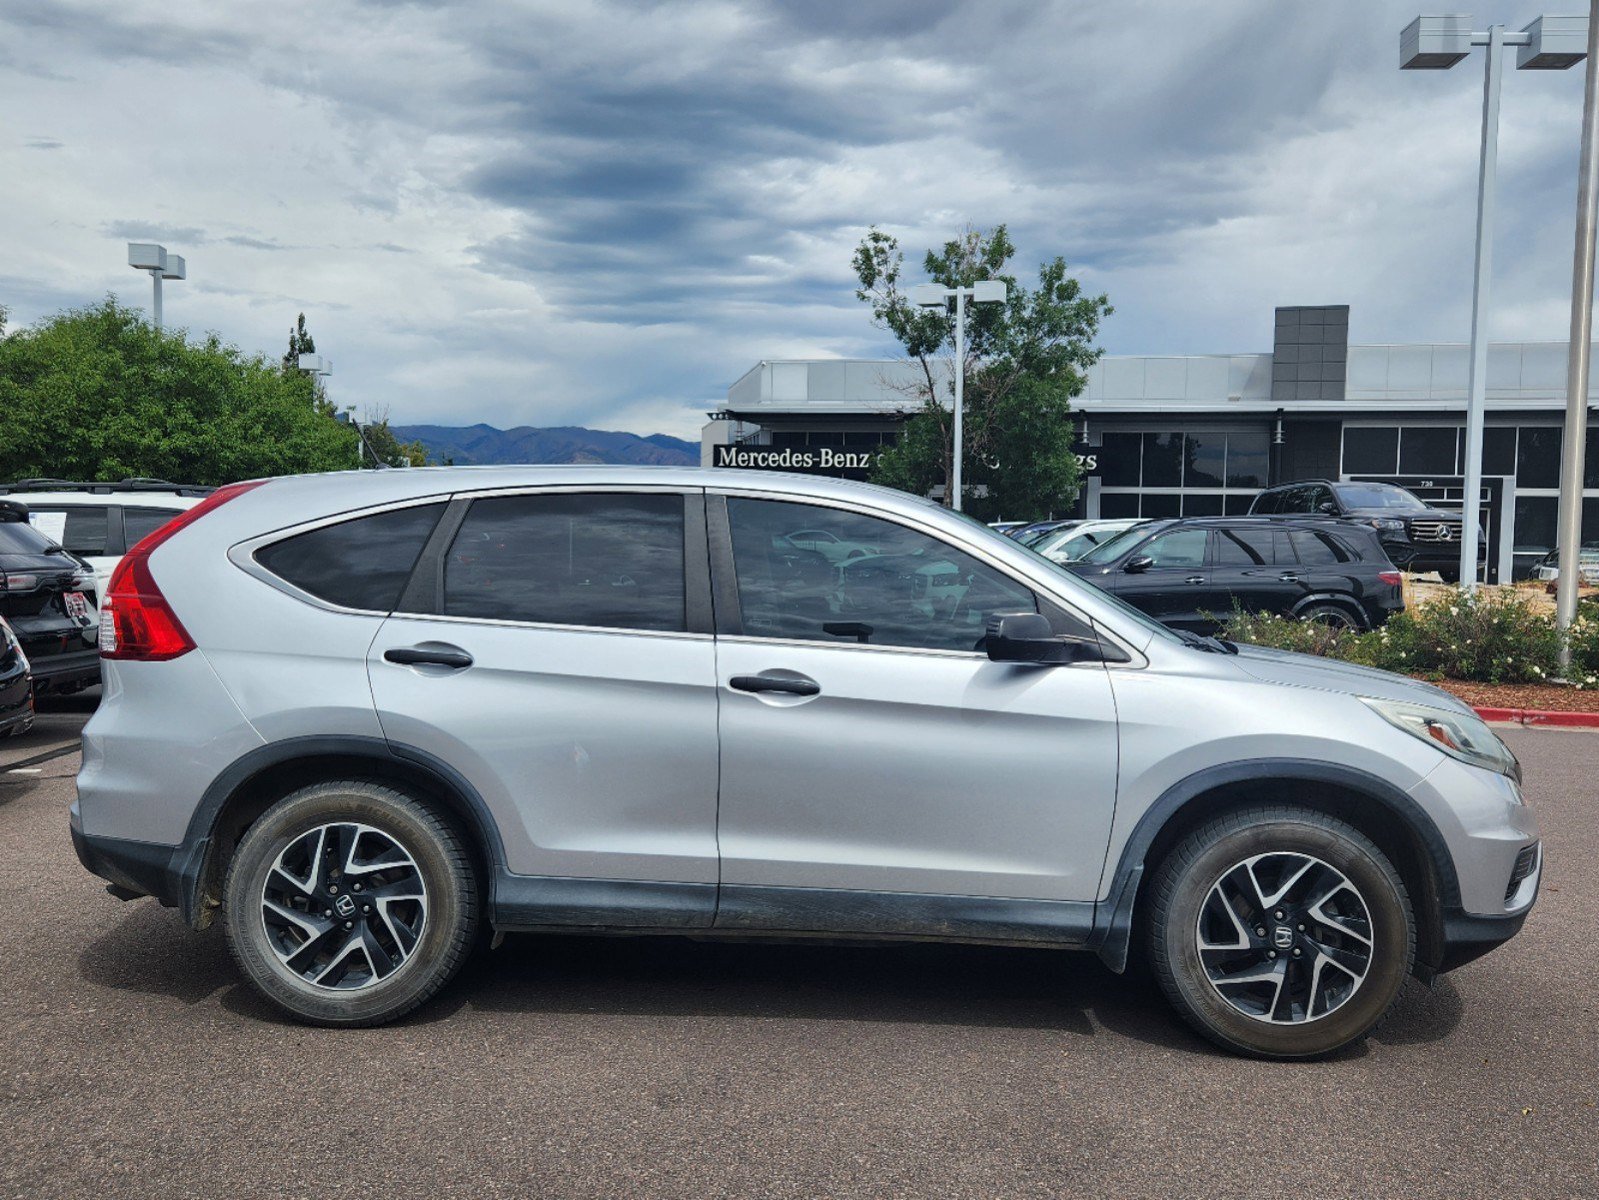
878, 771
1173, 586
562, 674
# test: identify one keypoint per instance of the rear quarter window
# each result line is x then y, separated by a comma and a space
360, 563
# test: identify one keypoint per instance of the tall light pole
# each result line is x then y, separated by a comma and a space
319, 367
147, 256
1568, 541
1436, 44
935, 295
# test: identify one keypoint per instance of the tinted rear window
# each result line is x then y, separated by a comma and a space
360, 563
611, 561
140, 523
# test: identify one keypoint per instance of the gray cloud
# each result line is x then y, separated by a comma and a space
590, 211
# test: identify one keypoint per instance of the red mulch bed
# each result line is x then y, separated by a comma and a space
1542, 696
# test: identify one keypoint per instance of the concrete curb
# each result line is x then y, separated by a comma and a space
1534, 716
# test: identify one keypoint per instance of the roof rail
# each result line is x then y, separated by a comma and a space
102, 488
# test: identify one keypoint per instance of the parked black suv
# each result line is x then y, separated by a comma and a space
48, 598
1414, 535
1192, 573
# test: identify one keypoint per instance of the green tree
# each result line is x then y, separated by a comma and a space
381, 441
1023, 364
98, 393
300, 342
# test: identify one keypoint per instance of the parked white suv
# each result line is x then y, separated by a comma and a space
100, 522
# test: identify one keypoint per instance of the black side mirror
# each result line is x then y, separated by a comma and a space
1134, 565
1026, 637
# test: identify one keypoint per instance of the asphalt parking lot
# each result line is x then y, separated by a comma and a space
134, 1062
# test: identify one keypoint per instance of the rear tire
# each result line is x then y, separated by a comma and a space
1339, 934
1334, 616
350, 903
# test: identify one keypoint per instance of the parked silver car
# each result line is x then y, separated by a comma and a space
358, 716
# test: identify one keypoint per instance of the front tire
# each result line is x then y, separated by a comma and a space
1280, 932
350, 903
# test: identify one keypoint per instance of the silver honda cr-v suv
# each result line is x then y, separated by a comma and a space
367, 717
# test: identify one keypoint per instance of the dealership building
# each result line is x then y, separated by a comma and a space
1192, 435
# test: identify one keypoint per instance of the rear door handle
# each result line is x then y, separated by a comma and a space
1195, 579
775, 683
1289, 577
433, 656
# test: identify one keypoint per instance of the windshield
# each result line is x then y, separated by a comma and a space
1112, 549
1378, 495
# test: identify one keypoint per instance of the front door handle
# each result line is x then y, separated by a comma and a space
1195, 579
1288, 577
432, 656
775, 683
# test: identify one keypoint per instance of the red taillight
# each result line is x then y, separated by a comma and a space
1391, 578
136, 622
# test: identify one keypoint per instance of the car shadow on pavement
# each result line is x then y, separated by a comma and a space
151, 951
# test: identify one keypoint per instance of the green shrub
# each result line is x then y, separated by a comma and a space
1488, 636
1585, 645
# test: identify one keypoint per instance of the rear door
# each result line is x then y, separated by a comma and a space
555, 649
1254, 569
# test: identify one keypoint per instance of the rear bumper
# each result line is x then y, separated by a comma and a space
141, 867
55, 672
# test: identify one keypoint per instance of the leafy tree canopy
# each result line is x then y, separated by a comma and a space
1023, 364
98, 393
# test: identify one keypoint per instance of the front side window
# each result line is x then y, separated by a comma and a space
904, 588
612, 561
1179, 548
360, 563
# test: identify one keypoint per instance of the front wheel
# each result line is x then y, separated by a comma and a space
1280, 932
350, 903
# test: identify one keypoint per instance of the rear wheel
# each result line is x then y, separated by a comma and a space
1333, 616
1280, 932
350, 903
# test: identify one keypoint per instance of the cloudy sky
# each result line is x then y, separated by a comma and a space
602, 213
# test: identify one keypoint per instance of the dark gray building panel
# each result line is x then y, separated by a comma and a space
1310, 353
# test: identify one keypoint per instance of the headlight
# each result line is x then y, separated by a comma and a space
1388, 524
1458, 735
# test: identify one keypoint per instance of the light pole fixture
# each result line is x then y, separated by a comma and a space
1436, 44
1568, 537
936, 295
147, 256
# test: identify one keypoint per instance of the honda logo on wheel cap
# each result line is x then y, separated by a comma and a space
1282, 937
344, 905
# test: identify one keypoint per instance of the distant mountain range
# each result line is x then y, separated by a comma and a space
484, 444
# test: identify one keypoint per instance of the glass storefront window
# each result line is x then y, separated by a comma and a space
1205, 460
1118, 461
1427, 450
1535, 523
1538, 458
1163, 460
1371, 450
1247, 454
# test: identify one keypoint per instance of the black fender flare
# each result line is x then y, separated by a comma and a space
1111, 937
189, 861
